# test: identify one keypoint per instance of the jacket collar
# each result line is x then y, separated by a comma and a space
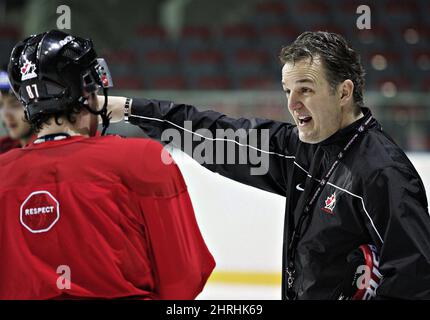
343, 134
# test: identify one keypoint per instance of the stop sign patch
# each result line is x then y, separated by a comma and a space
39, 212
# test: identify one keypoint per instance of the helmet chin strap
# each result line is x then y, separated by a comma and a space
106, 116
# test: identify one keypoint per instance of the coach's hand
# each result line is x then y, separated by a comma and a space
115, 105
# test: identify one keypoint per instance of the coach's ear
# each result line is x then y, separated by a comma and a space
115, 105
345, 92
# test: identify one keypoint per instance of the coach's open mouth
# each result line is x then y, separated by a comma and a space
303, 120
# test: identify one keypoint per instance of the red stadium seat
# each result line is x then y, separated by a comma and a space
423, 32
213, 83
121, 57
240, 31
202, 63
400, 6
421, 59
161, 57
328, 27
349, 6
281, 31
172, 82
128, 83
257, 82
397, 12
145, 31
308, 12
121, 62
392, 58
377, 34
274, 37
196, 32
271, 7
314, 7
247, 62
268, 13
205, 56
245, 56
237, 36
159, 62
9, 32
426, 85
196, 38
199, 63
400, 83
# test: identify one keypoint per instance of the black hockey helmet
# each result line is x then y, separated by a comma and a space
50, 72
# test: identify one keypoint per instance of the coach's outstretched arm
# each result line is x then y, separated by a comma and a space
396, 201
256, 152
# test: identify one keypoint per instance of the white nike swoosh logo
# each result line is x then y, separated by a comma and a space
299, 188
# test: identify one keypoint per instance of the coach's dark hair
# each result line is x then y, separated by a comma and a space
340, 61
38, 121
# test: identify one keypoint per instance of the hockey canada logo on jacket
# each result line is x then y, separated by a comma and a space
330, 203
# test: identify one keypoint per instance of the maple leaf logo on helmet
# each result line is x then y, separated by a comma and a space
28, 70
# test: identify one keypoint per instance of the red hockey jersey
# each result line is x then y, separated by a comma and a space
7, 144
100, 217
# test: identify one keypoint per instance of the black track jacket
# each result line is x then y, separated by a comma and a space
379, 198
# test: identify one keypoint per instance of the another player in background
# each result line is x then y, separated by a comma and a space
12, 116
87, 217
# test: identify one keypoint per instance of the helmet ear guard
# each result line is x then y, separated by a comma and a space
98, 76
104, 73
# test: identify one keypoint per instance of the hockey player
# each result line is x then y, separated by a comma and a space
12, 117
88, 217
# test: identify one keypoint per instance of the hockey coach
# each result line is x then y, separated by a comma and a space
357, 224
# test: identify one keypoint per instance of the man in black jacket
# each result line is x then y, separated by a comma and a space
346, 182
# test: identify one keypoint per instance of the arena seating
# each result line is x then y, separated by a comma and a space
245, 55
